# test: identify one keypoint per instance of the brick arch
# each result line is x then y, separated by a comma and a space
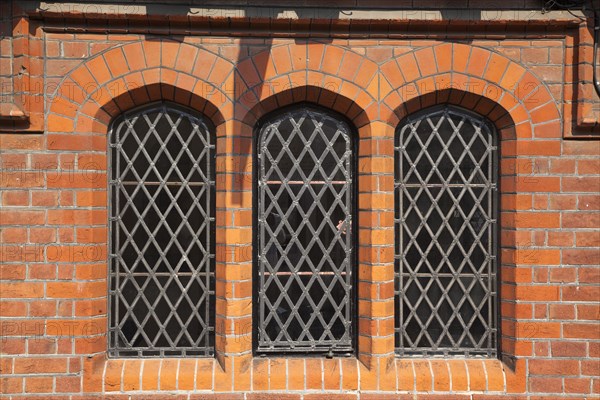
322, 96
123, 77
320, 73
488, 83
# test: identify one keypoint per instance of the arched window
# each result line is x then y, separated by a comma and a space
446, 202
161, 233
304, 296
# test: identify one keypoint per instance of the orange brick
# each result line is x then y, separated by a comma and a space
10, 217
583, 331
314, 370
41, 346
40, 384
577, 385
409, 67
260, 375
13, 235
46, 198
426, 61
75, 289
17, 347
331, 373
68, 384
94, 198
545, 385
537, 220
553, 367
150, 376
537, 293
21, 290
477, 378
15, 198
20, 142
32, 365
277, 374
569, 349
296, 374
204, 374
495, 375
15, 385
131, 375
349, 372
478, 61
441, 375
117, 64
460, 57
13, 309
423, 376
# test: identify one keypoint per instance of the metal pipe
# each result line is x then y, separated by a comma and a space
596, 40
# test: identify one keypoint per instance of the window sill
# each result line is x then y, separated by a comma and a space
159, 374
450, 375
300, 374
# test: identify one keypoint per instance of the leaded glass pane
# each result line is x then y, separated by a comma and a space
305, 233
161, 220
446, 202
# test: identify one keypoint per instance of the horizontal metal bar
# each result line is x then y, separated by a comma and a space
299, 348
307, 182
442, 185
147, 183
305, 273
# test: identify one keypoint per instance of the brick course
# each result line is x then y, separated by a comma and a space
54, 212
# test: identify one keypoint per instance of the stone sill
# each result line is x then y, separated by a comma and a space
10, 111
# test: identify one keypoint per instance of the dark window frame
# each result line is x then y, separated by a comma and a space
353, 259
208, 350
493, 351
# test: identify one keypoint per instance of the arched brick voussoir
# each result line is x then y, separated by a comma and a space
287, 58
139, 88
321, 73
354, 106
486, 98
139, 72
461, 71
165, 53
329, 91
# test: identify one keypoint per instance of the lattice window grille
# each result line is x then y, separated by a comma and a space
446, 242
305, 233
161, 243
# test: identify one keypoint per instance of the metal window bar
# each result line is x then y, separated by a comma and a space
304, 259
161, 190
446, 243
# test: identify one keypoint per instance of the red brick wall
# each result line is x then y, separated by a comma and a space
53, 292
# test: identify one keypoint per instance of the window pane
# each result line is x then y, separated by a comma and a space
305, 234
161, 262
446, 201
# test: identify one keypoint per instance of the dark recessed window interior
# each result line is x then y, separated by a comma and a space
161, 223
445, 221
304, 229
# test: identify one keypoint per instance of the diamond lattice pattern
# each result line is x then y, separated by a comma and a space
445, 235
305, 233
162, 264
